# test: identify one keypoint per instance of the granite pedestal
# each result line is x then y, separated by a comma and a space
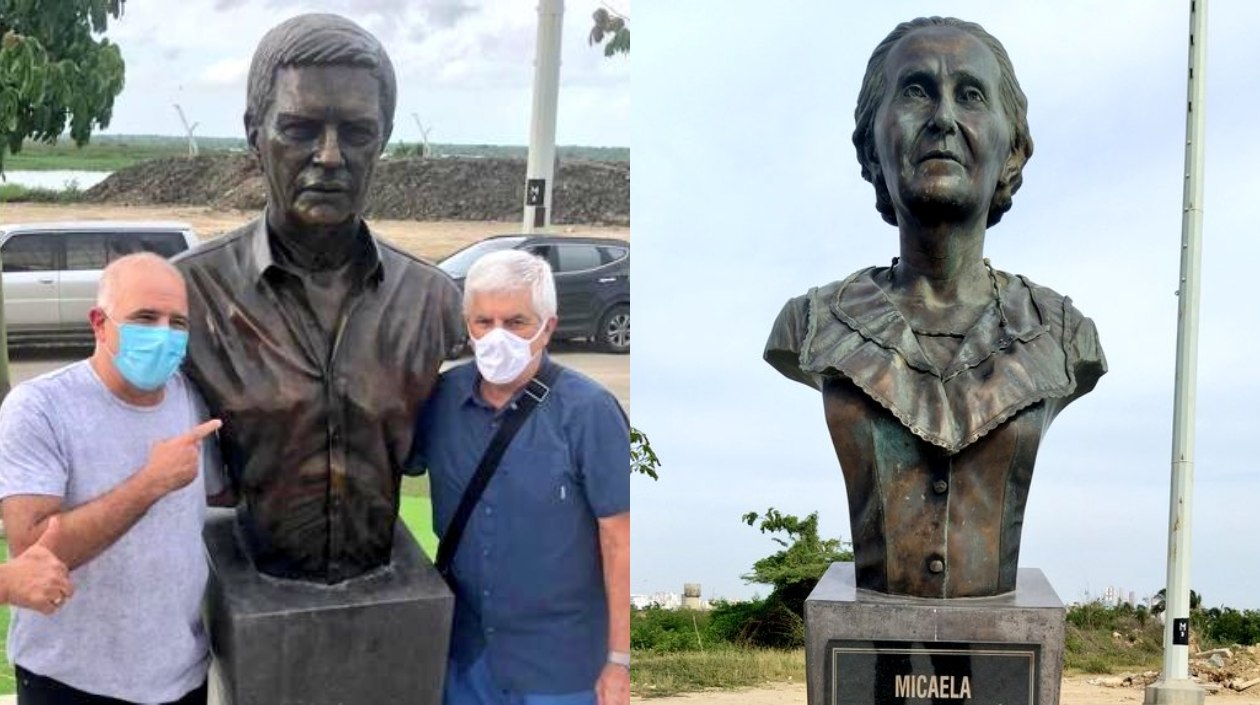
379, 638
868, 648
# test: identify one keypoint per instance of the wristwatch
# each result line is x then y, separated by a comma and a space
621, 658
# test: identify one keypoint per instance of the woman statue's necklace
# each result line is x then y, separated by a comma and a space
941, 333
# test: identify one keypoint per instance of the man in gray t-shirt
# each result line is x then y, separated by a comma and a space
111, 447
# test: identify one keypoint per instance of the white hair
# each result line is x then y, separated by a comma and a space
111, 278
510, 271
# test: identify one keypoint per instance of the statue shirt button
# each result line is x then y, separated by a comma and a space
936, 566
940, 486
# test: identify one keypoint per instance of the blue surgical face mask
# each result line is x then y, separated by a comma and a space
148, 355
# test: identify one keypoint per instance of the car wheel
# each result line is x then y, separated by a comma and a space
613, 334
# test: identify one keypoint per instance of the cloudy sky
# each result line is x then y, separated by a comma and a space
464, 66
747, 192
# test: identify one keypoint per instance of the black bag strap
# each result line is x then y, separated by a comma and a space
536, 392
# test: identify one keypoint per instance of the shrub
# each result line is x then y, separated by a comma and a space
656, 629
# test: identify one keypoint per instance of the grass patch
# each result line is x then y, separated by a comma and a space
17, 193
415, 486
657, 674
8, 682
417, 514
103, 153
1139, 647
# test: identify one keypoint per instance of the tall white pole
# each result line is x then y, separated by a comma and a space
1175, 685
539, 172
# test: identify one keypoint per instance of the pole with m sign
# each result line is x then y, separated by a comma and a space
1175, 686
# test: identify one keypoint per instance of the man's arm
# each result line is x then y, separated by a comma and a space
613, 687
90, 528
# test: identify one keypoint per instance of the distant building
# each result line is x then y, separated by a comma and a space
664, 600
690, 599
691, 596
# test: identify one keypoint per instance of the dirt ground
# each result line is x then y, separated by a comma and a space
431, 240
1076, 691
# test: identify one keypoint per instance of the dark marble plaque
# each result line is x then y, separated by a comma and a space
904, 672
1029, 620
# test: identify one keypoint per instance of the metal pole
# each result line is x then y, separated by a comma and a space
1175, 685
539, 173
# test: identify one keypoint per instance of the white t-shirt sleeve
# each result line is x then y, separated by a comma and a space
32, 460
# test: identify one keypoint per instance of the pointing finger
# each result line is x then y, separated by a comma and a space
205, 429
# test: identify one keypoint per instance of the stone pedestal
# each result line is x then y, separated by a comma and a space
868, 648
379, 638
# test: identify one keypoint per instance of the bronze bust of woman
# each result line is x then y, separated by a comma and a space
939, 374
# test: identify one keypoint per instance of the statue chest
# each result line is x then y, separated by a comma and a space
925, 521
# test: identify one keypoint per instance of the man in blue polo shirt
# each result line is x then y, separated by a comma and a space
542, 572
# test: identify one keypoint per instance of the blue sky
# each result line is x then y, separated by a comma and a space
465, 66
747, 192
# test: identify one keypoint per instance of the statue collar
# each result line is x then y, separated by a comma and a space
856, 331
260, 256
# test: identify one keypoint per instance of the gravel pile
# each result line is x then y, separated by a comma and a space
451, 188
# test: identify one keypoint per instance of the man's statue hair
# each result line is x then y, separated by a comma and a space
318, 39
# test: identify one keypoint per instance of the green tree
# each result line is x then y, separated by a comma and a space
795, 570
613, 27
1158, 606
779, 621
54, 71
642, 458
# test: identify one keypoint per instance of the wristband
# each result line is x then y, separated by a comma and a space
621, 658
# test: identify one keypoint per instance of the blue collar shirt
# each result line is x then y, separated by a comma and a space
528, 574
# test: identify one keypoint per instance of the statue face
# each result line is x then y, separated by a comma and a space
940, 133
318, 144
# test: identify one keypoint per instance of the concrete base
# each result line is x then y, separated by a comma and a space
1174, 692
999, 635
379, 638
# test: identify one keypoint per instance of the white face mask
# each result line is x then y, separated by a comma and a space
503, 356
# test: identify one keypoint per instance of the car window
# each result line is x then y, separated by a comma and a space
30, 253
165, 244
457, 264
547, 252
612, 253
85, 251
576, 258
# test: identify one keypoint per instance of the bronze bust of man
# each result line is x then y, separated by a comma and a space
315, 342
939, 374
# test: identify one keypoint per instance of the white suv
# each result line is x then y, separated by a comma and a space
51, 271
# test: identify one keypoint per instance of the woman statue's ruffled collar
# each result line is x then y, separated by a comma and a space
1014, 355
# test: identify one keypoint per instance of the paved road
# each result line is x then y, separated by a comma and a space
613, 371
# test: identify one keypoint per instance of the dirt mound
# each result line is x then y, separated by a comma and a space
453, 188
1218, 671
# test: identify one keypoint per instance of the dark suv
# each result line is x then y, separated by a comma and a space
592, 282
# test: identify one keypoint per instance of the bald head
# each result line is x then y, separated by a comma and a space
139, 296
132, 272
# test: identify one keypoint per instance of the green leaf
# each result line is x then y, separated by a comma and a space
642, 458
53, 72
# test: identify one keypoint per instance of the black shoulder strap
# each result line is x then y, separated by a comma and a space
535, 393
